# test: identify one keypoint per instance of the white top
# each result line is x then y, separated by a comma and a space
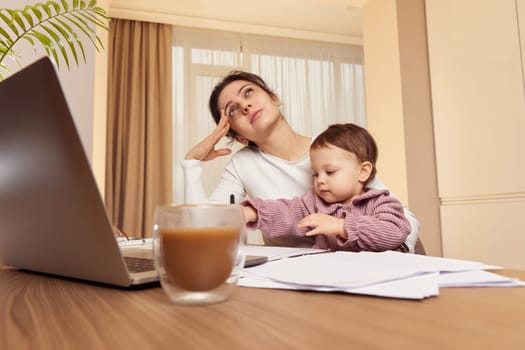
256, 174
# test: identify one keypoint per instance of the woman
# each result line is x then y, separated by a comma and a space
275, 162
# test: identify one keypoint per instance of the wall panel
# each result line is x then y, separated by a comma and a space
478, 98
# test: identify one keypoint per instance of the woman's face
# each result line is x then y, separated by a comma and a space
251, 110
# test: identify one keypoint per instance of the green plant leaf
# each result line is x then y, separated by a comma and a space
47, 43
95, 21
65, 5
7, 38
2, 67
45, 7
55, 6
71, 35
36, 12
16, 17
57, 43
27, 16
67, 37
30, 40
58, 26
91, 18
9, 23
84, 27
100, 11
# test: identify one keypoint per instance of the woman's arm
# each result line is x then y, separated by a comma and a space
192, 167
194, 192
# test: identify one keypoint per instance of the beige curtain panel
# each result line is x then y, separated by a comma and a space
139, 130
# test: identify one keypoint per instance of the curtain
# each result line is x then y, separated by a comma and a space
139, 130
319, 83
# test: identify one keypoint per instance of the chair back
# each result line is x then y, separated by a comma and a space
419, 248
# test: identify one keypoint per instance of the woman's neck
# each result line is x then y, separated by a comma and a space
285, 143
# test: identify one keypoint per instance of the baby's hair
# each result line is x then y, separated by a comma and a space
351, 138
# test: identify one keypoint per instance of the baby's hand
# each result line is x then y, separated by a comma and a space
250, 214
323, 224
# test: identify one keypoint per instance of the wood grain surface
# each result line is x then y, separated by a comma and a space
43, 312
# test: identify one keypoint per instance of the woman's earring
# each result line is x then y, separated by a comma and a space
242, 140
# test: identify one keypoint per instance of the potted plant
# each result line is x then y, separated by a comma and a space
57, 26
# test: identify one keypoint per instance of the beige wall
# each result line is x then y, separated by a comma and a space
77, 82
399, 108
478, 99
100, 108
475, 121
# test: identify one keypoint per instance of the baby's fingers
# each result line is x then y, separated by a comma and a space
312, 232
306, 222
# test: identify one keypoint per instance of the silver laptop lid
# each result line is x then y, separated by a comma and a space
52, 217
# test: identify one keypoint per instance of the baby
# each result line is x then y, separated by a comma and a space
340, 213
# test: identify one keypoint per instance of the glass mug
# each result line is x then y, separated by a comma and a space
199, 251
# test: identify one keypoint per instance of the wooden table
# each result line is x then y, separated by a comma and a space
41, 312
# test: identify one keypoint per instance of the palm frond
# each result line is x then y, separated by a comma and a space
57, 26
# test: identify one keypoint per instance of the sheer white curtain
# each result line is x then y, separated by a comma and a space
318, 83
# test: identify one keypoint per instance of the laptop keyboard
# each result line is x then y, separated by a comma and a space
139, 264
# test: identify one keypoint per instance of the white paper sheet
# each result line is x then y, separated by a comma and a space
330, 270
276, 253
387, 274
477, 278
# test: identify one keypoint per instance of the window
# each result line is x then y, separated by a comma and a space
318, 83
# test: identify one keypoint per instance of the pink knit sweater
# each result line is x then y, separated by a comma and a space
374, 221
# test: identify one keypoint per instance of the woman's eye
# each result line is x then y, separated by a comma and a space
248, 92
232, 111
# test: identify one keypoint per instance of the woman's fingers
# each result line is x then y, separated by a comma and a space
205, 149
217, 153
220, 130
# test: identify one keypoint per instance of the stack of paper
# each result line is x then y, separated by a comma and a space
387, 274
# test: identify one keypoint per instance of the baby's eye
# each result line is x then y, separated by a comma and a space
314, 175
330, 172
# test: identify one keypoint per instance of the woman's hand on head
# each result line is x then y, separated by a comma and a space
205, 149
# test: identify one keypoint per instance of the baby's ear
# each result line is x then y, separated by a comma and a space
365, 171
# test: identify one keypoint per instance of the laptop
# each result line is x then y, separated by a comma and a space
52, 217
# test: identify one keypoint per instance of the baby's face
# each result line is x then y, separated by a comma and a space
337, 174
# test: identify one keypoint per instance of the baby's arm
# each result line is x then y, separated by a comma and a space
276, 218
411, 239
385, 227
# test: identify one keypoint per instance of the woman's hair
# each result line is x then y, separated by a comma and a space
351, 138
231, 77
